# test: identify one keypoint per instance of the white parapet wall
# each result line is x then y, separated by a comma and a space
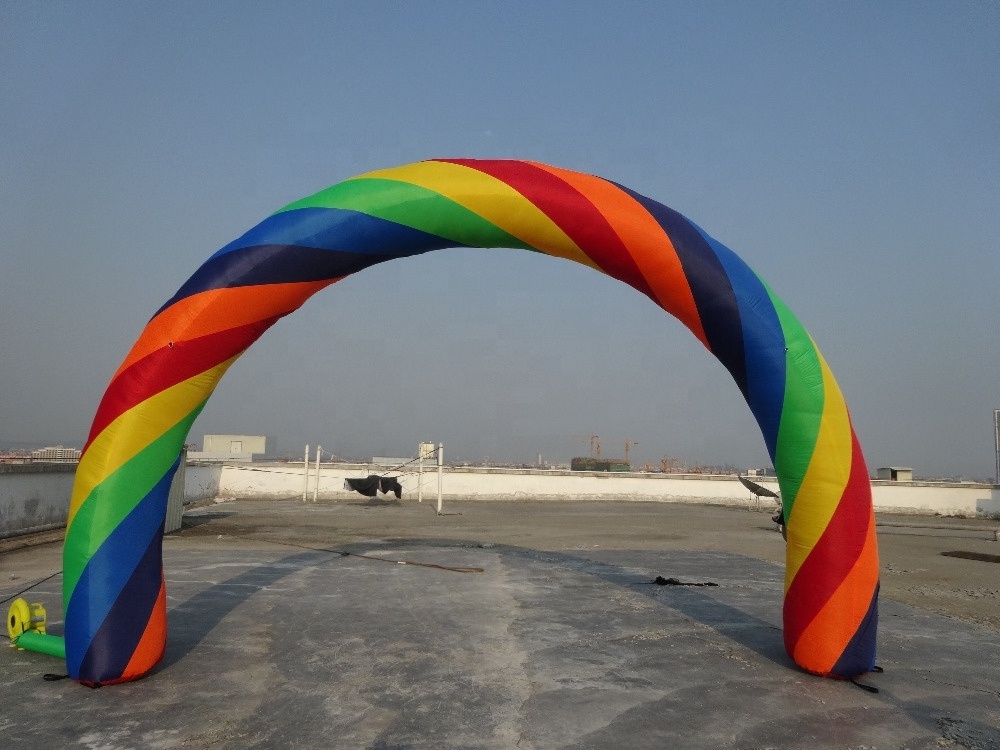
937, 498
35, 497
286, 480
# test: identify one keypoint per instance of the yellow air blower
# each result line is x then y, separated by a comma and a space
26, 628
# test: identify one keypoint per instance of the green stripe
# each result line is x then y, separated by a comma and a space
802, 410
113, 499
412, 206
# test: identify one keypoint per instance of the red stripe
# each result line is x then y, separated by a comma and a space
170, 365
572, 212
834, 555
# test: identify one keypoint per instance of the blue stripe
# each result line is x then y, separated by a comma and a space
308, 244
338, 229
114, 643
108, 574
763, 343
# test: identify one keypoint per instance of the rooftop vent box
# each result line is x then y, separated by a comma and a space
896, 473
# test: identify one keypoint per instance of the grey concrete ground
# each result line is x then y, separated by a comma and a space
517, 625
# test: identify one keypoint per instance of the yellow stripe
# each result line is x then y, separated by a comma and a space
137, 428
825, 479
494, 200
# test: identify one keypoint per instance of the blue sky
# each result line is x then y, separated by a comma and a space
849, 152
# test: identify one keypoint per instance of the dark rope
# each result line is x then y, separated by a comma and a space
344, 553
870, 688
24, 591
661, 581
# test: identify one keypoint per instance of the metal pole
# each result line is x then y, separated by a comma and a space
996, 434
305, 474
319, 449
440, 473
420, 472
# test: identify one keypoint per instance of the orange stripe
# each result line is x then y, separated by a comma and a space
823, 641
219, 309
647, 243
153, 643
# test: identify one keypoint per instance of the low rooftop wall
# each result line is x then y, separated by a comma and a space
264, 481
35, 497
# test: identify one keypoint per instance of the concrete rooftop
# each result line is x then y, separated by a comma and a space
516, 625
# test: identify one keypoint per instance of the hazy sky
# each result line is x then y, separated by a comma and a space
849, 152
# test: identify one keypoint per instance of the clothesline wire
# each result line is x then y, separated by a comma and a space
397, 468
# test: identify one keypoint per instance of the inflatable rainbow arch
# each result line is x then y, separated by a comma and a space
114, 593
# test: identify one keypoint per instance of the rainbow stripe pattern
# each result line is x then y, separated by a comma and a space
114, 593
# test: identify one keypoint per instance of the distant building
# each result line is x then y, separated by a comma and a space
895, 473
244, 448
57, 454
599, 464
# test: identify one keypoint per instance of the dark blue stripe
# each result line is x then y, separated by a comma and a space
858, 657
710, 286
115, 641
763, 343
271, 264
328, 244
120, 580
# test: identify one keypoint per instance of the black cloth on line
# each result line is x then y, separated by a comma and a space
372, 484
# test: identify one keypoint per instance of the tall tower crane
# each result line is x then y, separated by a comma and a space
595, 444
628, 448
